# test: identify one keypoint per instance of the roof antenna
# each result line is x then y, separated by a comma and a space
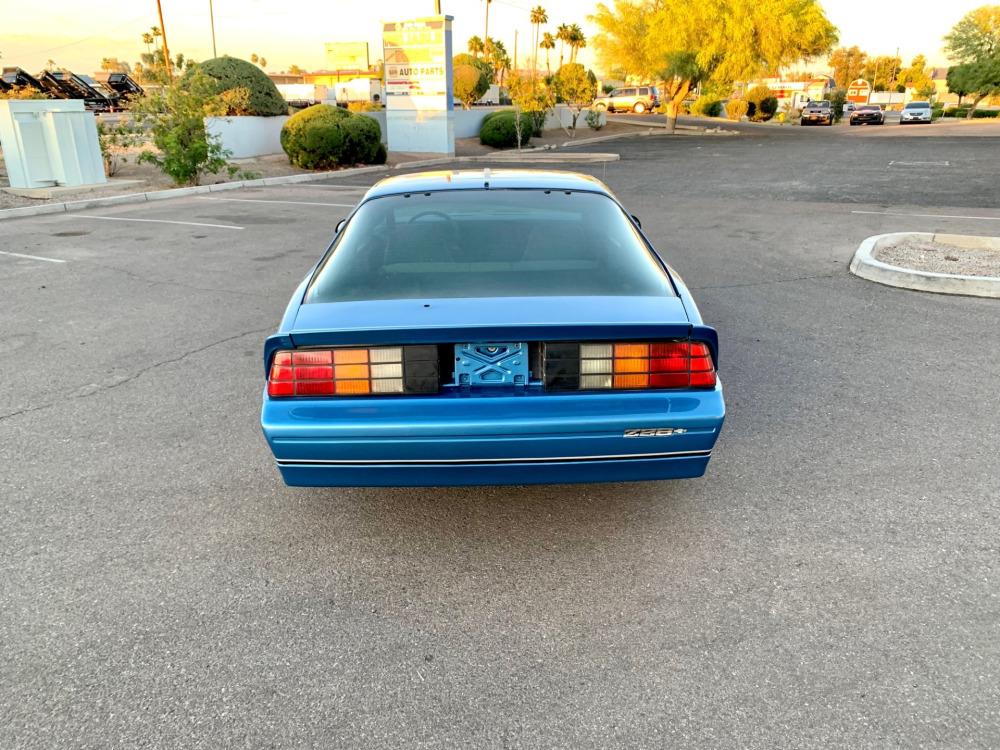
486, 178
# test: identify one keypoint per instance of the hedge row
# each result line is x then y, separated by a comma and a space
324, 136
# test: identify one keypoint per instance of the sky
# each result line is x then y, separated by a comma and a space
77, 35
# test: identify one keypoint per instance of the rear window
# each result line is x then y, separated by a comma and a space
488, 243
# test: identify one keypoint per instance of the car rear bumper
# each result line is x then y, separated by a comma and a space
526, 439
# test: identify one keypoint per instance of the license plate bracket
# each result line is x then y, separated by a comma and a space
492, 364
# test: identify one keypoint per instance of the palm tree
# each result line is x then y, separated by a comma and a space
538, 17
576, 40
562, 34
475, 46
548, 43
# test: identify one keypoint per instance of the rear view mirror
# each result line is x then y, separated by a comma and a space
636, 220
340, 225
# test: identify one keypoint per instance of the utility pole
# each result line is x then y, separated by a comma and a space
515, 50
486, 32
211, 19
437, 7
166, 51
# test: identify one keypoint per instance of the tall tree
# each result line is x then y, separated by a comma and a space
475, 46
916, 76
847, 65
882, 71
719, 42
576, 40
562, 34
975, 43
538, 17
548, 43
976, 37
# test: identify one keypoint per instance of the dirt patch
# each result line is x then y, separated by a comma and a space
940, 257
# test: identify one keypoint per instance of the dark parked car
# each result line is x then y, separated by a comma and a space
817, 113
868, 114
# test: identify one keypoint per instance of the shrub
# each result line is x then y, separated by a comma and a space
981, 113
736, 109
706, 107
229, 73
115, 141
593, 119
175, 117
324, 136
499, 130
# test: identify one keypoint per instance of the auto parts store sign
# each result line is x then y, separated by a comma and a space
416, 64
858, 91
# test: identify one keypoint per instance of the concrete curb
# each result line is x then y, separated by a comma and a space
157, 195
866, 266
541, 155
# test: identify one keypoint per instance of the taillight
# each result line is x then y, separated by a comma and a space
628, 366
354, 371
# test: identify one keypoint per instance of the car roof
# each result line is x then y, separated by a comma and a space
497, 179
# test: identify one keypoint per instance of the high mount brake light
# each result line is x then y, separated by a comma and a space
628, 366
354, 371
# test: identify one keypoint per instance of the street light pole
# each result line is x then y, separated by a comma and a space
166, 51
211, 20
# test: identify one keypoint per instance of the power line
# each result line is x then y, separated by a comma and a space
86, 38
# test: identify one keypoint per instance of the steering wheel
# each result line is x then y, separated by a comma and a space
442, 214
452, 227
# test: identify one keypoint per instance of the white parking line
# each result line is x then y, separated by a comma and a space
310, 185
160, 221
258, 200
32, 257
927, 216
920, 163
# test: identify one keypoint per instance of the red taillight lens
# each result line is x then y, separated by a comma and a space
629, 366
354, 371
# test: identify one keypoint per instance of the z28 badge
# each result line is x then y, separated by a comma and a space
654, 432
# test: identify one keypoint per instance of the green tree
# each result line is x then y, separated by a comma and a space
476, 46
562, 34
978, 80
495, 53
882, 71
538, 17
975, 43
575, 88
681, 43
175, 117
472, 78
916, 76
576, 41
529, 95
548, 43
848, 64
976, 38
295, 70
114, 65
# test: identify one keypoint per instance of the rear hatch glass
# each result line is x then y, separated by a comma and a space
488, 243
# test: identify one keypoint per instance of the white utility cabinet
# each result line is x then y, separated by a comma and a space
50, 142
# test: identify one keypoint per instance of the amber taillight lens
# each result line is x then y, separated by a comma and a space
354, 371
628, 365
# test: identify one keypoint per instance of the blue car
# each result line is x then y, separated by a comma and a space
477, 327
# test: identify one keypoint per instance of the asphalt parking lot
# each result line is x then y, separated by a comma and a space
831, 582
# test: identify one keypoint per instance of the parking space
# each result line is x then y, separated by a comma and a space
831, 581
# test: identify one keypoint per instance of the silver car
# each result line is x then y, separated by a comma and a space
916, 112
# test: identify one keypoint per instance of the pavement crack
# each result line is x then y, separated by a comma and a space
130, 378
164, 282
767, 283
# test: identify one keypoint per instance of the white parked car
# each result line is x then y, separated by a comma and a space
916, 112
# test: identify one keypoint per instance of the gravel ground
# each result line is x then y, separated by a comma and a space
939, 257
